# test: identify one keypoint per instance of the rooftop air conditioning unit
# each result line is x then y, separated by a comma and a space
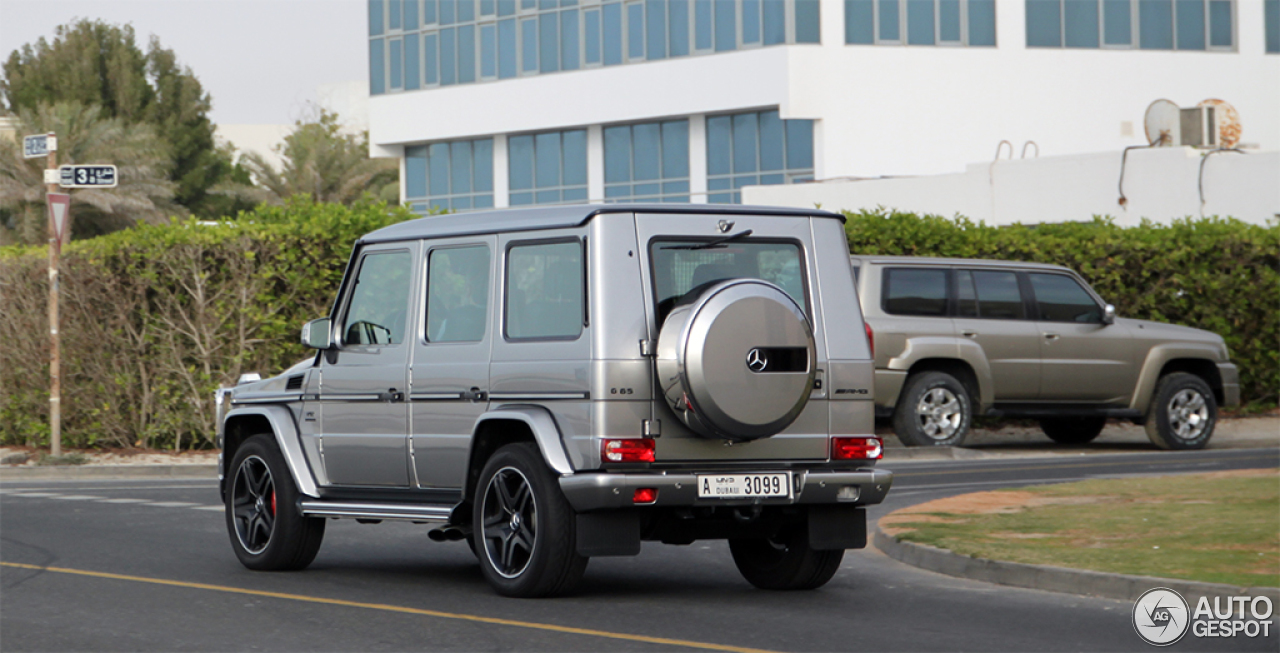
1199, 127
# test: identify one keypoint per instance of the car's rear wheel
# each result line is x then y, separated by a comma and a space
1183, 412
933, 411
525, 530
268, 532
784, 561
1073, 430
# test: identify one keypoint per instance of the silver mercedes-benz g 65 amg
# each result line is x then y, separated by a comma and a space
553, 384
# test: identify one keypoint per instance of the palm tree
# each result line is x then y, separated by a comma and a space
319, 161
85, 136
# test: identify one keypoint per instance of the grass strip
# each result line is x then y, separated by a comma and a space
1221, 527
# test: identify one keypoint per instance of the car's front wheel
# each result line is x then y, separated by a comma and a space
1073, 430
933, 411
268, 532
524, 529
1182, 413
784, 561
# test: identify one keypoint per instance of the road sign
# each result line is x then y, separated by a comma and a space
59, 207
38, 145
90, 176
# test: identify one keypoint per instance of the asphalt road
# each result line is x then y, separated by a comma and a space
145, 565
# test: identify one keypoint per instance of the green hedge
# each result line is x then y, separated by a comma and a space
1218, 274
156, 317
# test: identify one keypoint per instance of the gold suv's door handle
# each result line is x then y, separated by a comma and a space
969, 334
1051, 336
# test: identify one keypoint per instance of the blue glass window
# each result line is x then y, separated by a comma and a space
591, 32
447, 13
394, 13
703, 29
412, 74
726, 25
375, 17
678, 24
982, 22
377, 67
569, 59
612, 14
1271, 16
859, 21
506, 7
1155, 24
548, 44
750, 22
466, 11
889, 20
949, 21
756, 148
1190, 24
1080, 23
397, 64
656, 29
775, 22
410, 15
506, 48
1117, 21
808, 21
448, 56
529, 45
466, 54
431, 51
455, 175
428, 12
920, 22
648, 162
548, 168
488, 51
1044, 23
635, 31
1220, 24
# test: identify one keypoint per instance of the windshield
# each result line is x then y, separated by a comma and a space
679, 269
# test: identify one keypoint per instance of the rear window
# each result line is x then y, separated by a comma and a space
679, 268
915, 291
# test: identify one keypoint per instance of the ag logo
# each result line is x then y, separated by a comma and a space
756, 360
1161, 616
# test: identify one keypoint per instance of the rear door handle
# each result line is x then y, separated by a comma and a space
391, 395
1051, 336
969, 334
474, 394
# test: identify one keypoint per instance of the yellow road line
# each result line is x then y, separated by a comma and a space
1091, 464
396, 608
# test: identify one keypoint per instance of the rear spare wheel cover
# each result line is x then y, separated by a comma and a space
738, 361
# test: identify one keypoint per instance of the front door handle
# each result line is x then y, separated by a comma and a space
1051, 336
475, 394
391, 396
968, 334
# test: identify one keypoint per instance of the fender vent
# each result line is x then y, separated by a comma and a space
294, 383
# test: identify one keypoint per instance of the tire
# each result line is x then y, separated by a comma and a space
785, 561
268, 532
1183, 412
933, 411
1073, 430
524, 529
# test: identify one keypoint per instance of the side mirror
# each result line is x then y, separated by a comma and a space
317, 334
1108, 314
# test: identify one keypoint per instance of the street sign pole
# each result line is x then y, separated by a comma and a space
55, 354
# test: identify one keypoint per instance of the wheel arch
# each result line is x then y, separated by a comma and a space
242, 423
962, 371
1163, 360
508, 425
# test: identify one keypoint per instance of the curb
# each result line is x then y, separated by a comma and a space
1121, 587
108, 471
935, 453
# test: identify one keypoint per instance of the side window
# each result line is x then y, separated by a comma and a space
545, 291
1060, 298
379, 302
910, 291
966, 296
998, 295
457, 294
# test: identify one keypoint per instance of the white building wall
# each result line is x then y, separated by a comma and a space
881, 110
1160, 184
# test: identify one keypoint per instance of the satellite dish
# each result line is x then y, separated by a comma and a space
1228, 120
1162, 123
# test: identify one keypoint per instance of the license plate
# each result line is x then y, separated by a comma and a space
744, 486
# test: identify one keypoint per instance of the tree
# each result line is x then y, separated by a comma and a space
144, 192
319, 161
92, 62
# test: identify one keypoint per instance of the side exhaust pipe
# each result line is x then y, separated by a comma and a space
449, 534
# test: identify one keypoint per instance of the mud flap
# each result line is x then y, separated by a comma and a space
837, 527
614, 533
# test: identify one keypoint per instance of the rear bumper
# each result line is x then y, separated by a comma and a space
1230, 376
608, 491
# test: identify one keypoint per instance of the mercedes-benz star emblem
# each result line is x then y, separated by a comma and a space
756, 361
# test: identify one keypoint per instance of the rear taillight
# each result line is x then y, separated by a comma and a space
871, 339
627, 450
856, 448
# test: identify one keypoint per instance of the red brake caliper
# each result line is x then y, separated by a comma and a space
273, 503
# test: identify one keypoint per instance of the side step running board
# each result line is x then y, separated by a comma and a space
376, 511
